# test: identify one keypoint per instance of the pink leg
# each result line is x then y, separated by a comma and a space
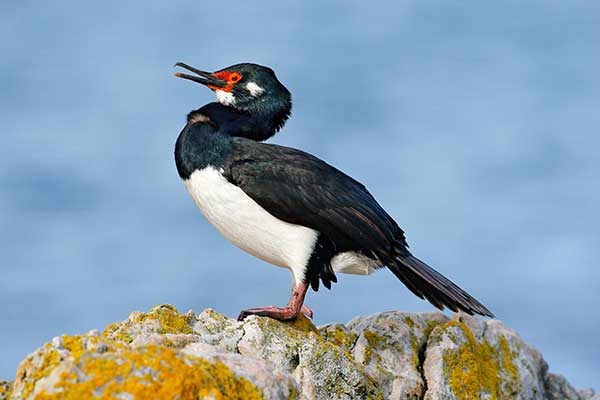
289, 313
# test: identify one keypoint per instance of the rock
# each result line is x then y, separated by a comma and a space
4, 389
588, 394
384, 342
557, 388
475, 358
163, 354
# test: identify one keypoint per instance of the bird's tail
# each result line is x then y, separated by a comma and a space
429, 284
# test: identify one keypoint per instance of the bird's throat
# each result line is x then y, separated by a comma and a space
255, 124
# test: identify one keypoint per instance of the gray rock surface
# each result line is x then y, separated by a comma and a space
391, 355
557, 388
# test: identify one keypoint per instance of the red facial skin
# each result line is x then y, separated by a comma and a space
230, 77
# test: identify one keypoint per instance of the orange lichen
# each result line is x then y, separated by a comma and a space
105, 367
30, 372
147, 373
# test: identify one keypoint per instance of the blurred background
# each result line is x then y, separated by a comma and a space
475, 125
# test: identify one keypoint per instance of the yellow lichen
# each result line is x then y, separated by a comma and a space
327, 352
294, 330
5, 389
30, 373
115, 331
417, 342
373, 339
170, 320
161, 319
416, 348
152, 372
322, 351
507, 362
408, 321
475, 368
303, 324
471, 369
339, 337
103, 367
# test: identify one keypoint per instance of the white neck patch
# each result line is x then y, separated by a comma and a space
254, 89
225, 98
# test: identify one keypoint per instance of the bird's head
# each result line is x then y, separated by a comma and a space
246, 87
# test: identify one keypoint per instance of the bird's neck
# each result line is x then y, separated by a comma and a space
256, 124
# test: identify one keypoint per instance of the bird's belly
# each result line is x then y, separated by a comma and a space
249, 226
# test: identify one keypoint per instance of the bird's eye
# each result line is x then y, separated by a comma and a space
235, 77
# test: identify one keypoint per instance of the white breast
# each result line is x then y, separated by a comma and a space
249, 226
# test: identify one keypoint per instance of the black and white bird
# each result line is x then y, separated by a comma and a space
285, 206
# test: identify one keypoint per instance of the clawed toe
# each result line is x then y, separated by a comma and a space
288, 313
280, 314
306, 311
243, 315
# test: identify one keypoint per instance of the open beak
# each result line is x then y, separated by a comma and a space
204, 78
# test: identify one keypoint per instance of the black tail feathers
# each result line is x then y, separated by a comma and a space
429, 284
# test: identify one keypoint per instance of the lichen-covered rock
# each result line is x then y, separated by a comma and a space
471, 358
4, 389
140, 358
386, 341
322, 369
88, 366
163, 354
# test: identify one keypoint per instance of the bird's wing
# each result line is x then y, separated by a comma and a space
299, 188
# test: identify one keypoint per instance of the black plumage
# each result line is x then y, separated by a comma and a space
301, 189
